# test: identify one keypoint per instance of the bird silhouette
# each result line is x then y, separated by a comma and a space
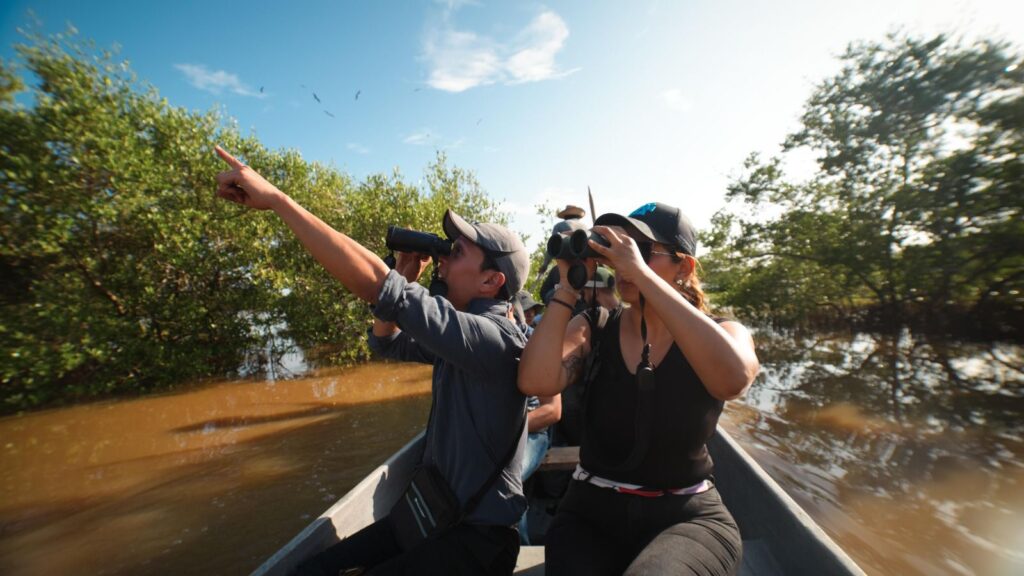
328, 113
417, 90
358, 92
479, 121
261, 89
317, 98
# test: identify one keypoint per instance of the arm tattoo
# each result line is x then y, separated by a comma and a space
573, 368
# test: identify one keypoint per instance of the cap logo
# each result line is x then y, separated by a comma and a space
645, 209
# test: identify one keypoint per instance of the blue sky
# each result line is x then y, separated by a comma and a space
641, 101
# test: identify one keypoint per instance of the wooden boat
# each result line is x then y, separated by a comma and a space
778, 536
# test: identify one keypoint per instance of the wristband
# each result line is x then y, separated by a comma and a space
568, 289
563, 303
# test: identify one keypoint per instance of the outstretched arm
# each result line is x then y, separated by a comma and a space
358, 269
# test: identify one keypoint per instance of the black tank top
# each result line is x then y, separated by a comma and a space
684, 418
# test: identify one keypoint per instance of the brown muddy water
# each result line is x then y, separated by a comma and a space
909, 453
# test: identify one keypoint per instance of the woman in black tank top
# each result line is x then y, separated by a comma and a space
643, 500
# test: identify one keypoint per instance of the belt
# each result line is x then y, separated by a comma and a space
636, 490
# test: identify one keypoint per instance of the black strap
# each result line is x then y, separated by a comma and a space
473, 502
646, 385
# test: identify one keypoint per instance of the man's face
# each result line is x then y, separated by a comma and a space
530, 315
461, 270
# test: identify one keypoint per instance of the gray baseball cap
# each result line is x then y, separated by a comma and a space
501, 244
526, 301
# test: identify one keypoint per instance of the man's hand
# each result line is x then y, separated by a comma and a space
410, 265
245, 186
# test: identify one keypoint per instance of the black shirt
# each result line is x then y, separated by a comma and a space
683, 418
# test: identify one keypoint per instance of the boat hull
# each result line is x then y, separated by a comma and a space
779, 537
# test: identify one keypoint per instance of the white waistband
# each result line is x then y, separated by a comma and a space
626, 488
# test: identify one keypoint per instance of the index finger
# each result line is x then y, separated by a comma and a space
231, 160
614, 232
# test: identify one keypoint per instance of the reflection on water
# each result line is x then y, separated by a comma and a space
909, 453
210, 481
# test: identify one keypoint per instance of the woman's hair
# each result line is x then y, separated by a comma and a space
692, 291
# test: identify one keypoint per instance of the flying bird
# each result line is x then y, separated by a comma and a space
417, 90
261, 89
479, 121
358, 92
317, 98
328, 113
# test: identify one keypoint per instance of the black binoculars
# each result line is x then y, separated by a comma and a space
575, 247
400, 239
405, 240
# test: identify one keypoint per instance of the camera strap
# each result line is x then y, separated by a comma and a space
645, 402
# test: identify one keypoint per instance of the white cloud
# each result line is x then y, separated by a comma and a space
674, 99
432, 138
460, 60
216, 81
357, 148
419, 138
451, 5
540, 42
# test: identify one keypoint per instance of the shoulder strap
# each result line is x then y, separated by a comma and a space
474, 501
597, 326
476, 498
598, 318
645, 393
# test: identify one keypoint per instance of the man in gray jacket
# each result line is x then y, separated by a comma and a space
478, 410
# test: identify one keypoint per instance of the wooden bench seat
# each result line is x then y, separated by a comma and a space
560, 458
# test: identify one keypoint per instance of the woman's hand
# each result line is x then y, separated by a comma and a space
245, 186
411, 265
622, 253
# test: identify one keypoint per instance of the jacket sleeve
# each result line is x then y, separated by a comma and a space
400, 346
472, 342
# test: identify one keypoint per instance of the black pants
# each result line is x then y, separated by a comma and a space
466, 549
599, 531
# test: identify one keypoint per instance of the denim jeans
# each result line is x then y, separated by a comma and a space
537, 445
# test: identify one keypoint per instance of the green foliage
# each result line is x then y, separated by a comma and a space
546, 214
120, 271
917, 202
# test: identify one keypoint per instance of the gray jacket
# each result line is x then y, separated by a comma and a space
478, 409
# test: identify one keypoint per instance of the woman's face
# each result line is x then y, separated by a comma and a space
659, 260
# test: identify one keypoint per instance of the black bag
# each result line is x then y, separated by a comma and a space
429, 507
426, 509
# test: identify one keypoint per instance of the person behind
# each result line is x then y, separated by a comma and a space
530, 308
642, 499
544, 411
602, 289
477, 411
